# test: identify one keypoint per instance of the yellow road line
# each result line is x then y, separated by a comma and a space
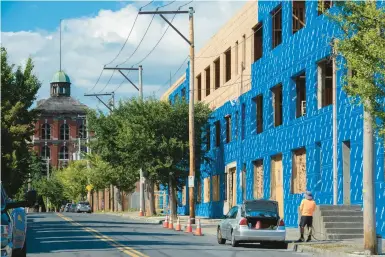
127, 250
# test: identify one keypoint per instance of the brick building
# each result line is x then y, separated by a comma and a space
61, 125
268, 75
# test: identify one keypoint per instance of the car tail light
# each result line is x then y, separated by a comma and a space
243, 222
281, 223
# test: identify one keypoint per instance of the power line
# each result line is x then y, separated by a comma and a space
107, 82
169, 80
166, 4
186, 4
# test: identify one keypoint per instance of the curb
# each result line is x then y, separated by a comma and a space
308, 249
148, 221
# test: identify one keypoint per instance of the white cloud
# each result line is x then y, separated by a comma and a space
90, 42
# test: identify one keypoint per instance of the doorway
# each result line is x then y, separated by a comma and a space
346, 171
276, 182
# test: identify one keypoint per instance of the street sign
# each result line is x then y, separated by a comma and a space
190, 181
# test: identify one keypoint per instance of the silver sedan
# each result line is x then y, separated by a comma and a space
254, 221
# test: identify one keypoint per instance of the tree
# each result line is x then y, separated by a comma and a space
52, 188
18, 92
74, 180
362, 44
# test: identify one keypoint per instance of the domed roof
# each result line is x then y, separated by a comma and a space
60, 76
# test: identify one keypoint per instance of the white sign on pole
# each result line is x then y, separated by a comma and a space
190, 181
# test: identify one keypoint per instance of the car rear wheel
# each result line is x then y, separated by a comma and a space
221, 241
21, 252
234, 243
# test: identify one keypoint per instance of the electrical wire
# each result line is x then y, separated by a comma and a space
167, 4
186, 4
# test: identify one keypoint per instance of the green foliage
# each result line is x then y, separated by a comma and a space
52, 188
362, 44
100, 173
18, 92
74, 180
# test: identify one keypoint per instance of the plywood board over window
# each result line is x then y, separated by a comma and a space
206, 182
215, 188
258, 179
199, 191
298, 181
184, 195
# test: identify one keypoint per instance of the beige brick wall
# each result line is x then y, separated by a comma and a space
241, 24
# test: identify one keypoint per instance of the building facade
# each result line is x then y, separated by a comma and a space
61, 132
271, 135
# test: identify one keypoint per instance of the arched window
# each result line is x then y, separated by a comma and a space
63, 154
82, 131
64, 132
46, 131
45, 152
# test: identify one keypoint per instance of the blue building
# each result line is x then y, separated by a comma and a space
274, 140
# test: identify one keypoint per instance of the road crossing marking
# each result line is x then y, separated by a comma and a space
127, 250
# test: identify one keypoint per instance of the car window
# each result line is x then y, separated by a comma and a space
258, 208
234, 212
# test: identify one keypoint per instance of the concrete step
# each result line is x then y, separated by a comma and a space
344, 224
342, 219
344, 236
337, 213
345, 231
340, 207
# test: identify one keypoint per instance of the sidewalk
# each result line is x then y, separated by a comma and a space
352, 247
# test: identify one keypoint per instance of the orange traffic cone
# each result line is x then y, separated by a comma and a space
258, 225
141, 213
171, 224
188, 227
165, 223
198, 230
178, 225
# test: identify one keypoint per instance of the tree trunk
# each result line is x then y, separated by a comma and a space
172, 199
118, 200
150, 198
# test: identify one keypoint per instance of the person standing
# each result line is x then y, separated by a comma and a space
307, 209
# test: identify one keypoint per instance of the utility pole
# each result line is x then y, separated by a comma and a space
191, 96
47, 163
334, 100
140, 89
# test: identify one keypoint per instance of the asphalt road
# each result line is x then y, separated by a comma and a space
98, 235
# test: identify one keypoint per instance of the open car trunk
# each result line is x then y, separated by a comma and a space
266, 212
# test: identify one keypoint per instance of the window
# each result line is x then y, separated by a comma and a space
243, 120
176, 98
208, 78
217, 73
184, 196
300, 82
323, 6
298, 178
46, 131
82, 131
225, 186
277, 26
298, 15
233, 213
199, 80
63, 154
228, 65
207, 194
258, 179
236, 124
243, 65
228, 128
258, 41
216, 188
83, 149
208, 138
277, 105
64, 132
217, 133
45, 152
244, 181
318, 164
259, 115
325, 83
236, 58
183, 93
199, 191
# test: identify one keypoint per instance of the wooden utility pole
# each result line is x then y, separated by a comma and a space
334, 102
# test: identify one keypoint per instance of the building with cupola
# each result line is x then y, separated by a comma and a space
60, 133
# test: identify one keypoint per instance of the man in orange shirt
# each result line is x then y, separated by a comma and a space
307, 209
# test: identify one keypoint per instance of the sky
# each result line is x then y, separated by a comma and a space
93, 33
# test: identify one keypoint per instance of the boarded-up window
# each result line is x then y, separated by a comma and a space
243, 125
217, 133
298, 15
259, 115
298, 179
236, 58
228, 64
199, 191
216, 188
206, 190
258, 41
258, 179
228, 128
184, 195
277, 26
243, 64
236, 125
208, 138
217, 73
199, 82
300, 82
323, 6
208, 79
325, 83
277, 105
184, 93
244, 181
226, 177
